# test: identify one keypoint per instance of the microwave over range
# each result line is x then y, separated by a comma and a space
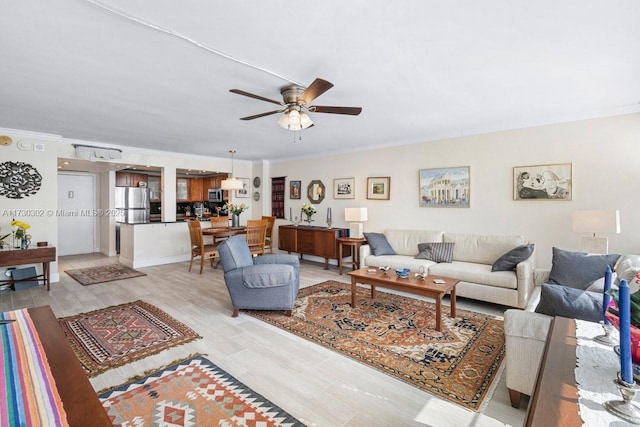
215, 195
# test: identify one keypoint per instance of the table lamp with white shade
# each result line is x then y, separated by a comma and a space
355, 216
596, 221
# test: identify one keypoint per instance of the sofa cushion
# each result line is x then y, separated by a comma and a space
512, 258
379, 244
438, 252
482, 249
558, 300
475, 273
398, 261
405, 242
579, 269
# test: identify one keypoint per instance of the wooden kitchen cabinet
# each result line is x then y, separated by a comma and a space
317, 241
130, 179
196, 186
155, 188
182, 189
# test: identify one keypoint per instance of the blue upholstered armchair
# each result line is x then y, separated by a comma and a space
267, 282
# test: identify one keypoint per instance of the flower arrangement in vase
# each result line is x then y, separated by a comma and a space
235, 210
20, 234
308, 210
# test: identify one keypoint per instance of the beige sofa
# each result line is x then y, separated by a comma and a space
473, 257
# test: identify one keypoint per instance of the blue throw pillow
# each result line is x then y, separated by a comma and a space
379, 244
557, 300
579, 269
512, 258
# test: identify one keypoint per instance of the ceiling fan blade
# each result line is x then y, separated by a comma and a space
257, 116
352, 111
251, 95
315, 89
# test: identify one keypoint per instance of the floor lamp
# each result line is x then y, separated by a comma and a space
596, 222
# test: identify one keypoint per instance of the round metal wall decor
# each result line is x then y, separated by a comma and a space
19, 180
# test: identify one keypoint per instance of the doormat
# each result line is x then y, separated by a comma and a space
396, 335
117, 335
192, 393
103, 273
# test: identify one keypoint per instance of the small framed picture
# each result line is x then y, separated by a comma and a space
379, 187
294, 189
344, 188
542, 182
445, 187
244, 193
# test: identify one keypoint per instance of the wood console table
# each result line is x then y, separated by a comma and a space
33, 255
555, 398
79, 399
318, 241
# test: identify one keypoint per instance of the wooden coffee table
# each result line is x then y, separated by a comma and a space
410, 284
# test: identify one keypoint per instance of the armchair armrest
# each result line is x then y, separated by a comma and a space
365, 251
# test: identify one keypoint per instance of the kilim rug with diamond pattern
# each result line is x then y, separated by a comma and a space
103, 273
117, 335
192, 393
396, 335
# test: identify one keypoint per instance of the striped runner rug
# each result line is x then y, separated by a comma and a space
28, 394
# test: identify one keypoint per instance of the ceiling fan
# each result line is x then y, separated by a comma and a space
296, 101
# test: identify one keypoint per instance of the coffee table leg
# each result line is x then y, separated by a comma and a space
340, 258
438, 313
353, 292
453, 302
373, 291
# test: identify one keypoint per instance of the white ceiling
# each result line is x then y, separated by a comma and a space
421, 70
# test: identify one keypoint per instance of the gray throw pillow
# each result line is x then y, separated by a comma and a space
437, 251
557, 300
379, 244
579, 269
514, 257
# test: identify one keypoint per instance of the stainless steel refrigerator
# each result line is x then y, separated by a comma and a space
132, 205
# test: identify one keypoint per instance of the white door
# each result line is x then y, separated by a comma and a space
76, 219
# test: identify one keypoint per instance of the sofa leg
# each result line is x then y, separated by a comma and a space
288, 312
236, 311
514, 397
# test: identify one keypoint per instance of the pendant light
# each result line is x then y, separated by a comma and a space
232, 183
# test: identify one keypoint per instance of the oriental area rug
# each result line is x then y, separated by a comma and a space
192, 393
396, 335
117, 335
103, 273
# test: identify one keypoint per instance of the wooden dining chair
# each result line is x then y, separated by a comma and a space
217, 222
198, 248
268, 243
256, 233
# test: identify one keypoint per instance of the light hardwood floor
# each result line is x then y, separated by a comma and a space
314, 384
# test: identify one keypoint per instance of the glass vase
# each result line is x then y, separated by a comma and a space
308, 220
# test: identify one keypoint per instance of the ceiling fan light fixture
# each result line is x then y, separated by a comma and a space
294, 118
305, 120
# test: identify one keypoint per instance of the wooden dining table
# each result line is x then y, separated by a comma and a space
221, 232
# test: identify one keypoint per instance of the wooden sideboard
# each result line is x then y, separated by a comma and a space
317, 241
555, 398
32, 255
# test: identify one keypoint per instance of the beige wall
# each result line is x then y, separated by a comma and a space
604, 154
37, 210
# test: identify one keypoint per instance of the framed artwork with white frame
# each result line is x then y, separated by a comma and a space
543, 182
445, 187
344, 188
246, 187
379, 188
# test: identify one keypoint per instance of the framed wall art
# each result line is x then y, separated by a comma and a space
379, 187
294, 189
344, 188
542, 182
445, 187
246, 186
